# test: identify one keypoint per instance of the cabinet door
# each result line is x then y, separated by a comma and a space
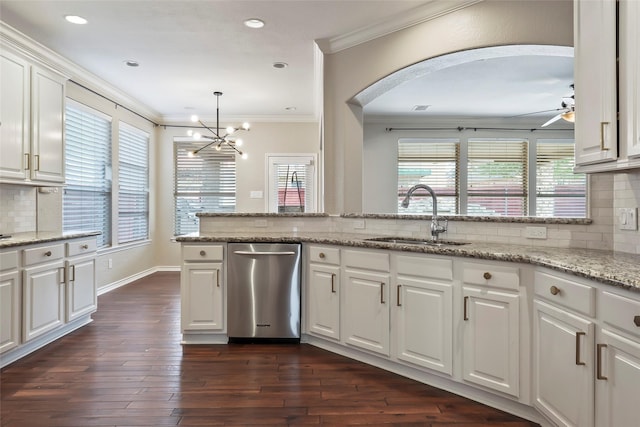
617, 380
490, 339
595, 81
323, 301
82, 297
423, 313
202, 297
14, 116
47, 120
366, 310
563, 366
43, 305
629, 80
9, 311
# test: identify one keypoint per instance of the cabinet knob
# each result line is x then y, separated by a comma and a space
554, 290
487, 275
48, 253
202, 253
636, 321
84, 247
321, 255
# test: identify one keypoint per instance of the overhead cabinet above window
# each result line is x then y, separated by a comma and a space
606, 34
32, 117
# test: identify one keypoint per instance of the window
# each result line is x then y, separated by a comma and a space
205, 182
433, 162
559, 191
492, 176
87, 196
133, 184
291, 183
497, 177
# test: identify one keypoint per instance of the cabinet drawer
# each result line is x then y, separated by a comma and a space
368, 260
202, 252
324, 255
80, 247
569, 293
486, 274
620, 312
422, 266
43, 254
8, 260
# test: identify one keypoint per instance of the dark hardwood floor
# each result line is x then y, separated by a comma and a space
128, 368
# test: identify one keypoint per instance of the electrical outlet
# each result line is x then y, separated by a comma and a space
535, 232
358, 224
260, 223
110, 263
628, 218
255, 194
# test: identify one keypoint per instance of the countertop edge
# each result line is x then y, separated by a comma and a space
22, 239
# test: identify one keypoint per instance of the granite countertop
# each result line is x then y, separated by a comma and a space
612, 268
20, 239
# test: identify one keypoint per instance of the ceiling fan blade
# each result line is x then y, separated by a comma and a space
552, 120
535, 112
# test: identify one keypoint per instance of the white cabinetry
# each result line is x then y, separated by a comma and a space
32, 122
598, 87
44, 299
82, 296
10, 300
423, 312
366, 300
202, 289
323, 292
491, 322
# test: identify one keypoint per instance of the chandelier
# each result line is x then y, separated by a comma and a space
218, 139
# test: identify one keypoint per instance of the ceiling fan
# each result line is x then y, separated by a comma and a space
565, 112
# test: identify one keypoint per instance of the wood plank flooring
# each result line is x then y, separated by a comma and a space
128, 368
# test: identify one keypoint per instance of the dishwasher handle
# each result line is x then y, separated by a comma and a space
264, 253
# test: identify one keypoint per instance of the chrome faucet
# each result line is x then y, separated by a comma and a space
436, 228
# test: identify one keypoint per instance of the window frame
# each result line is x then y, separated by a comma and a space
309, 161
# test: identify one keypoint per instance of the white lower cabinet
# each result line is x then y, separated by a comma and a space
82, 296
10, 301
323, 292
44, 303
423, 312
366, 300
202, 289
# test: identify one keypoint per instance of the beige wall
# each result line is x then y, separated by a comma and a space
348, 72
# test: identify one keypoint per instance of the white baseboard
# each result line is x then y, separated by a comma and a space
122, 282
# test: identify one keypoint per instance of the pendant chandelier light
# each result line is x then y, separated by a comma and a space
219, 139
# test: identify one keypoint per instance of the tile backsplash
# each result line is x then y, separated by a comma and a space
17, 208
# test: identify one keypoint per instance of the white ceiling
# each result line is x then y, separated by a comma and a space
188, 49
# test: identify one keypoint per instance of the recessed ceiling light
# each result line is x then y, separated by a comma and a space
291, 108
254, 23
280, 65
131, 63
74, 19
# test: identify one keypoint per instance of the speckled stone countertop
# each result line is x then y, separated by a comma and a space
475, 218
257, 214
612, 268
20, 239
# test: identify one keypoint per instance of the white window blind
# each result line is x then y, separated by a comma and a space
205, 182
133, 184
433, 162
497, 177
291, 184
559, 191
87, 195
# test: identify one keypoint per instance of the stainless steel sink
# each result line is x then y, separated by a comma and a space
410, 241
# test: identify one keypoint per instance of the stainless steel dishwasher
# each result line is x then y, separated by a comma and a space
263, 284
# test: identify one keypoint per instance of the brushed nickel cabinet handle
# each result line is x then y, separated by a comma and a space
333, 283
578, 335
218, 278
27, 159
599, 375
84, 247
381, 292
398, 303
602, 125
202, 253
63, 275
37, 162
636, 321
48, 253
73, 274
465, 315
487, 275
321, 255
554, 290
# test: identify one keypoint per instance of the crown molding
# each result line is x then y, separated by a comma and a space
180, 119
44, 56
424, 13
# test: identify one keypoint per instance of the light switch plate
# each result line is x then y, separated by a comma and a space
535, 232
628, 218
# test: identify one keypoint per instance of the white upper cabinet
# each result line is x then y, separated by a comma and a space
32, 122
606, 36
